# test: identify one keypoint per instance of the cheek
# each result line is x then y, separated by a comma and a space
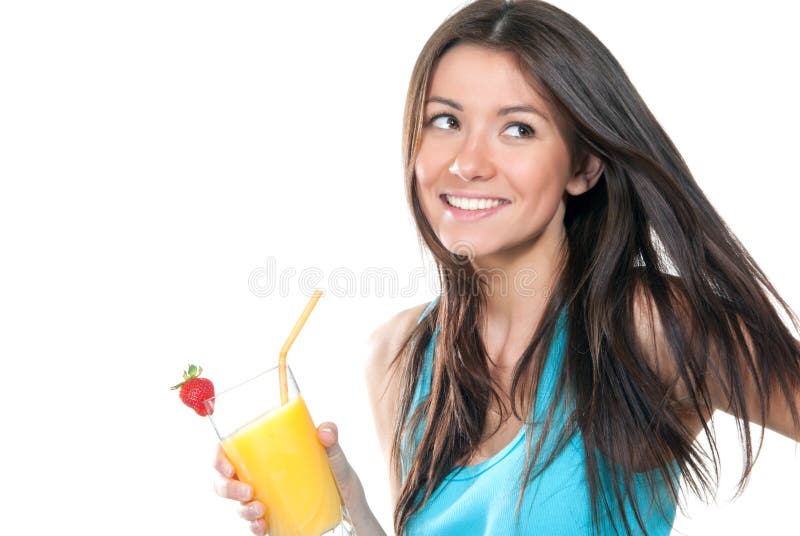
431, 164
539, 178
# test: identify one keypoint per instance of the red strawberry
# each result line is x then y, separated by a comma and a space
195, 391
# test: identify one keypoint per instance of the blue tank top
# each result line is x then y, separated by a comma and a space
482, 499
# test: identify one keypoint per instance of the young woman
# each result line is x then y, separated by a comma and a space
595, 310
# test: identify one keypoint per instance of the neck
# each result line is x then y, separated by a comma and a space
519, 283
521, 280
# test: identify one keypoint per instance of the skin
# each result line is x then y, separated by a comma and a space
469, 144
488, 132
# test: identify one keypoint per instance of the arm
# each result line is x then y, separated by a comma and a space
778, 413
653, 339
383, 386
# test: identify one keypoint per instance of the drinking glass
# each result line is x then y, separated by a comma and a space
274, 448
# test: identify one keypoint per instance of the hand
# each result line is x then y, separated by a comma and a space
228, 485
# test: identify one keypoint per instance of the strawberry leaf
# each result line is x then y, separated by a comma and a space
176, 386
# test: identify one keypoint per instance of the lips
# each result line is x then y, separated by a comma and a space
473, 195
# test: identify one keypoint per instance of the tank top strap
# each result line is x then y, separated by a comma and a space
424, 382
428, 308
553, 367
420, 393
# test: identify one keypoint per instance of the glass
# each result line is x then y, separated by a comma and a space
275, 449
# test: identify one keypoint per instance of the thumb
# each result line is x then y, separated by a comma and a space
328, 435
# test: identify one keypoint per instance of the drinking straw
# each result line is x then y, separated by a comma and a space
289, 340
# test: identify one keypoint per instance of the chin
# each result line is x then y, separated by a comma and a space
472, 248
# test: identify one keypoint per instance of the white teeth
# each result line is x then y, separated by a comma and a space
471, 203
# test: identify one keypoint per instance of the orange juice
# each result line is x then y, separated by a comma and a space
279, 455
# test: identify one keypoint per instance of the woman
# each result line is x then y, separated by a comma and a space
595, 309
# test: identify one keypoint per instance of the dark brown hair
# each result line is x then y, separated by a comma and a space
646, 229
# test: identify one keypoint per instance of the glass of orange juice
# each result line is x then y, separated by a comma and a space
275, 449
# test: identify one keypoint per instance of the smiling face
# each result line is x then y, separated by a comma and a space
492, 166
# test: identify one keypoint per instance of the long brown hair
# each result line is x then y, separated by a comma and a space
646, 228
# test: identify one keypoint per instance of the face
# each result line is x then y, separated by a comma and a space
492, 167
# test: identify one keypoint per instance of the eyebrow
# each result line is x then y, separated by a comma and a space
502, 111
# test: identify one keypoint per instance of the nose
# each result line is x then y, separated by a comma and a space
472, 162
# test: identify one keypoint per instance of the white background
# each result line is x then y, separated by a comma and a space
153, 154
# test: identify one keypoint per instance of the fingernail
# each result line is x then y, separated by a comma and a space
245, 492
228, 470
256, 510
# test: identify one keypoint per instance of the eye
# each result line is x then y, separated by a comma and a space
520, 130
444, 121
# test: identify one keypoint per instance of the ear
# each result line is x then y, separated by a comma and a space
586, 176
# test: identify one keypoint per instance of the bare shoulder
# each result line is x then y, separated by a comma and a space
654, 340
651, 333
383, 385
385, 341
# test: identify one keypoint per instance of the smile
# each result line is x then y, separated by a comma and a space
473, 203
472, 209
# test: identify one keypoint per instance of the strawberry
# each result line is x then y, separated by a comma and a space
195, 390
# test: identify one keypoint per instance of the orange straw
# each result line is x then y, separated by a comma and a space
289, 340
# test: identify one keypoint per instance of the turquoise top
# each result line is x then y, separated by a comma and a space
482, 499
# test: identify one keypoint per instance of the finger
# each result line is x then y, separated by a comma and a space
258, 527
222, 465
328, 435
252, 511
232, 489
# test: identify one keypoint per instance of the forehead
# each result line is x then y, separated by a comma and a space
479, 76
